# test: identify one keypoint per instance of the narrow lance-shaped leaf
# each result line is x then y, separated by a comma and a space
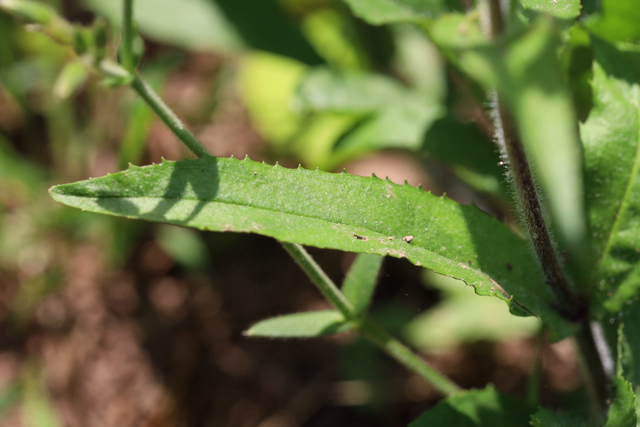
361, 281
301, 325
339, 211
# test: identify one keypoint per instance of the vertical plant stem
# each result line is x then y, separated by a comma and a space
571, 305
126, 50
168, 117
324, 284
408, 358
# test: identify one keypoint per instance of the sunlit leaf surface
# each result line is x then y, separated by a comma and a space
340, 211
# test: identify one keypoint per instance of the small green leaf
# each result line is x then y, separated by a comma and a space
339, 211
477, 408
622, 411
379, 12
301, 325
361, 280
547, 418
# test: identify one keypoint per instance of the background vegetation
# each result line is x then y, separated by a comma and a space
114, 322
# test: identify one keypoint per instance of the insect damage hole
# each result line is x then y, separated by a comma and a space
407, 239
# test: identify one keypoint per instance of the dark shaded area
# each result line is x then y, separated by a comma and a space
264, 26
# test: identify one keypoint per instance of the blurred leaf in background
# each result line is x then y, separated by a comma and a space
462, 318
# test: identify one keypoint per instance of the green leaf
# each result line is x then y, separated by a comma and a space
322, 89
477, 408
617, 21
339, 211
622, 411
360, 282
379, 12
301, 325
547, 418
395, 117
561, 9
611, 141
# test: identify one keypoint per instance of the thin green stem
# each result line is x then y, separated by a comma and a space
367, 327
126, 51
319, 278
408, 358
169, 118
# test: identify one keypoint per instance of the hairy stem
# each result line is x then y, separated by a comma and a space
127, 35
571, 305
